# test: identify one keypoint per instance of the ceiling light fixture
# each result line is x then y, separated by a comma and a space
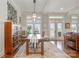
61, 8
34, 13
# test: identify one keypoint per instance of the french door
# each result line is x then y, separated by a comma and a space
35, 27
74, 27
56, 30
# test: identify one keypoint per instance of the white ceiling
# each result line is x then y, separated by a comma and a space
48, 5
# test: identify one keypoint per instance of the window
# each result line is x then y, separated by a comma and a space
35, 26
74, 17
74, 27
56, 17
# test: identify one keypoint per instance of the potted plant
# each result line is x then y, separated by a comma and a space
29, 29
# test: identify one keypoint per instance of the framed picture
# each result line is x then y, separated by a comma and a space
67, 25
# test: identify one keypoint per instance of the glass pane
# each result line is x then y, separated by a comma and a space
30, 21
37, 21
59, 29
38, 28
52, 26
52, 30
52, 33
30, 28
74, 27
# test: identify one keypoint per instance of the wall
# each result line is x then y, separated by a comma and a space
3, 16
23, 20
68, 20
17, 8
45, 23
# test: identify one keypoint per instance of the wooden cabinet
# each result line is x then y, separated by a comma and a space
11, 41
71, 39
8, 37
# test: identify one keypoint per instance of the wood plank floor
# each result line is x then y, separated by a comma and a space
48, 47
51, 51
57, 45
71, 52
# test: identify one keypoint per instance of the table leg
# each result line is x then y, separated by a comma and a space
27, 47
42, 48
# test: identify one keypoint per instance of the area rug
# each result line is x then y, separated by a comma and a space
71, 52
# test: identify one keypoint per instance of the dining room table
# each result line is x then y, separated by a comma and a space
34, 39
37, 40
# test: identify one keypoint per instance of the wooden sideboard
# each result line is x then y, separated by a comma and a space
71, 39
11, 41
40, 40
8, 37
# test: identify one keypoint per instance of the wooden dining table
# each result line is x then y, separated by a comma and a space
39, 39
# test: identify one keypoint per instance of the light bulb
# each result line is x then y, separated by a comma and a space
34, 19
34, 15
61, 8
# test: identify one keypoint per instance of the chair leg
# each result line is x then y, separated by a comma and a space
36, 45
33, 45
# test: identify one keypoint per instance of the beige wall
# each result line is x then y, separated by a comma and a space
23, 20
3, 16
17, 8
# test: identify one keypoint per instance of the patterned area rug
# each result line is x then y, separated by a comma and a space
72, 53
50, 51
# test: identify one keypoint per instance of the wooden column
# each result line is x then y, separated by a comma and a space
8, 37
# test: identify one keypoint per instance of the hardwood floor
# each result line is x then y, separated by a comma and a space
51, 51
59, 44
9, 55
71, 52
12, 55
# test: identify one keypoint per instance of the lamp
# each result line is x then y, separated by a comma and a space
34, 13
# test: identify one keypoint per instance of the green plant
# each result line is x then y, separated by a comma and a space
29, 29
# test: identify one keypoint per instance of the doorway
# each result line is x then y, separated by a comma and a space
56, 30
35, 26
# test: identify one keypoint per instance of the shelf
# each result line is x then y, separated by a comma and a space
73, 40
15, 47
15, 41
72, 46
